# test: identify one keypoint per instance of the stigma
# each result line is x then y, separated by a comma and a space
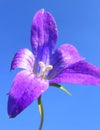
44, 69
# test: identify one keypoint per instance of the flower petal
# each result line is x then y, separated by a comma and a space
63, 57
43, 35
81, 72
25, 89
23, 59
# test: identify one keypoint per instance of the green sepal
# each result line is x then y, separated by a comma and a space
62, 88
40, 107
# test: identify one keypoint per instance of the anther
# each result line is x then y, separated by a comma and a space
42, 65
49, 67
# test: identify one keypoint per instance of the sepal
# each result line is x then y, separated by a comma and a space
62, 88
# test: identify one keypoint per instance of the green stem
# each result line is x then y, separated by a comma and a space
40, 106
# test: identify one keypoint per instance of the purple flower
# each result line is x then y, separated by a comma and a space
45, 66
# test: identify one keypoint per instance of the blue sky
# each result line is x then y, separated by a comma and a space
78, 24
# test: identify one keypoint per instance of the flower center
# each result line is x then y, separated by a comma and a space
44, 69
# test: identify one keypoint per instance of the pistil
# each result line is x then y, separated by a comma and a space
44, 69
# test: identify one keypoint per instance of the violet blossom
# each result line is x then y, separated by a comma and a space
45, 66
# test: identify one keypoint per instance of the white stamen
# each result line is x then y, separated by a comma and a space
44, 69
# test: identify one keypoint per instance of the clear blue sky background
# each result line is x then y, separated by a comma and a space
78, 24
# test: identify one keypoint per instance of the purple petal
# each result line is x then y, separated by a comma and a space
23, 59
81, 72
63, 57
25, 89
43, 35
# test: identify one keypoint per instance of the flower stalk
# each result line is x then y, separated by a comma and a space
40, 107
